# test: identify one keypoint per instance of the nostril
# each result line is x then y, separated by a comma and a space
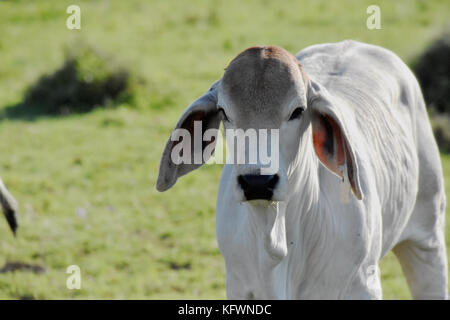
273, 181
251, 181
243, 182
257, 186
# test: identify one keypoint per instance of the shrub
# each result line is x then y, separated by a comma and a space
441, 129
433, 72
86, 80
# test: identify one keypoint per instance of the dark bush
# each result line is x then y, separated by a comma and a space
433, 72
85, 81
441, 129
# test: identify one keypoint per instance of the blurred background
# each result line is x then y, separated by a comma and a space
85, 114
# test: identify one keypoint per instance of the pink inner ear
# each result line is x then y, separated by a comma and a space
189, 122
324, 129
339, 142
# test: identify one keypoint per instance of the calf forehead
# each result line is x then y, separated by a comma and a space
261, 78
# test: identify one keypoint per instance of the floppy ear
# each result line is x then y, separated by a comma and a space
184, 149
9, 206
331, 140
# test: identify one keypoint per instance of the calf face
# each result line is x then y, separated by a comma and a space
265, 92
263, 89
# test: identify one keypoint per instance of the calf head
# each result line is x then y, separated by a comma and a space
264, 89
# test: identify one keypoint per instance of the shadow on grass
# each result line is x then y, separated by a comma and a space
81, 84
14, 266
28, 112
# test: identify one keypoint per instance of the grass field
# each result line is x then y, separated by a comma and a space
85, 183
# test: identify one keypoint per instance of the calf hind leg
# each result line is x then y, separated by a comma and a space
423, 257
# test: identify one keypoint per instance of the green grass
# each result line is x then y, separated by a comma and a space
129, 240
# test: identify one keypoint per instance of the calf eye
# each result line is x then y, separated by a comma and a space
296, 113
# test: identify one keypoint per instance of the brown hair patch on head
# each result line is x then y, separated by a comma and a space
266, 52
261, 76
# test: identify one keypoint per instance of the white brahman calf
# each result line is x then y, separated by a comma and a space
352, 117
